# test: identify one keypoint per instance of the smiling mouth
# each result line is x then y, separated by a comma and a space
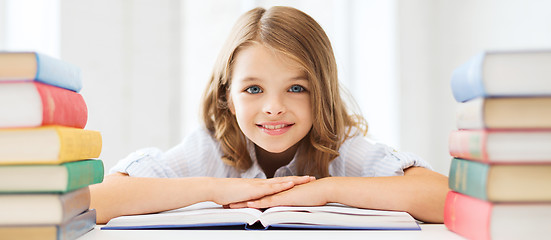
273, 127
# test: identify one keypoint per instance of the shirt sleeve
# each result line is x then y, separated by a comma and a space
147, 162
363, 157
197, 155
394, 162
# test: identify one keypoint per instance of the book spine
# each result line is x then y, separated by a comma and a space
83, 173
78, 225
58, 73
469, 144
469, 177
466, 216
62, 107
74, 203
78, 143
470, 115
467, 82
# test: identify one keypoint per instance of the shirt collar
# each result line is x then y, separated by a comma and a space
255, 171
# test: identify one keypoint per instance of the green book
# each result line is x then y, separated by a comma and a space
60, 178
515, 182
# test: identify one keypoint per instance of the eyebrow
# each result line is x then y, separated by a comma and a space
297, 78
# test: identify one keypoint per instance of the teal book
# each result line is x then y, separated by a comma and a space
503, 74
60, 178
33, 66
514, 182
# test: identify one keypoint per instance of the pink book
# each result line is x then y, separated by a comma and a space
34, 104
477, 219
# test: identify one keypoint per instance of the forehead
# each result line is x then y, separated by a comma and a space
257, 60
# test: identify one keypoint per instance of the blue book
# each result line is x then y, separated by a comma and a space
70, 229
208, 215
503, 74
33, 66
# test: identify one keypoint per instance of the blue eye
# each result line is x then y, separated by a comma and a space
253, 90
297, 89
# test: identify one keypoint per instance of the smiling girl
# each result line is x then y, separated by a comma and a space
276, 132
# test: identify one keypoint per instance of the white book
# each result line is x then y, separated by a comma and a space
505, 113
211, 215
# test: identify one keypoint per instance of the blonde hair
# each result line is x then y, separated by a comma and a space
296, 35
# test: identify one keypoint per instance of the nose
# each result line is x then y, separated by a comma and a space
274, 106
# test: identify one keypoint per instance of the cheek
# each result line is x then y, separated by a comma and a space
242, 109
303, 109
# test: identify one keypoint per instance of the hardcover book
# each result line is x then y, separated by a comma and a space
208, 215
71, 229
48, 145
42, 208
501, 146
61, 178
505, 113
33, 66
476, 219
501, 182
503, 74
33, 104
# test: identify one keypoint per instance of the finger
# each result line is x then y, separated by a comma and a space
295, 179
238, 205
278, 187
265, 202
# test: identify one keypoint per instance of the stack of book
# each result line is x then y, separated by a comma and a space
500, 174
46, 157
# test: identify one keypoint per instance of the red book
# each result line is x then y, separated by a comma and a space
477, 219
501, 146
33, 104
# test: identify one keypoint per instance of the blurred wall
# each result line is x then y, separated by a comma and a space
129, 53
145, 63
437, 36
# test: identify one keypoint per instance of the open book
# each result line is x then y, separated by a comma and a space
208, 215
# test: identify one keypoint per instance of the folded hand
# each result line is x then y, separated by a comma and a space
313, 193
232, 190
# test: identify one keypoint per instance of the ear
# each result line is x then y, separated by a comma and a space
230, 102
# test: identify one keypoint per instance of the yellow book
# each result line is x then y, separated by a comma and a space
48, 145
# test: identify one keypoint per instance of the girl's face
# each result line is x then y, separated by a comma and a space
269, 95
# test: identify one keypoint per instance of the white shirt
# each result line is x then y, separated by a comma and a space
199, 155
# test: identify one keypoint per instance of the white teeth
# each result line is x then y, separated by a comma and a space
274, 126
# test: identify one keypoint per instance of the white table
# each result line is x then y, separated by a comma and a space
429, 231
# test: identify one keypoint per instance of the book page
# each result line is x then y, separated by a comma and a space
337, 215
200, 213
337, 208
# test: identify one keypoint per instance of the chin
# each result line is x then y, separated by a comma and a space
275, 150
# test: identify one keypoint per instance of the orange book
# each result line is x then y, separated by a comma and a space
48, 145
